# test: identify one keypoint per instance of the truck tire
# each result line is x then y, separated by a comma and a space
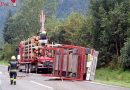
26, 68
36, 68
19, 69
30, 68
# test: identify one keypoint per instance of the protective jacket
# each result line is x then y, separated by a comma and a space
12, 67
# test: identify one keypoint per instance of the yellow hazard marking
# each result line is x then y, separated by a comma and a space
88, 57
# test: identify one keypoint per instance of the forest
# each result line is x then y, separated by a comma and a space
105, 26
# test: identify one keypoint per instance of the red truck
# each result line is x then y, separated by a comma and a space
33, 53
34, 58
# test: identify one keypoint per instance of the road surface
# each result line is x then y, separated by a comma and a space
39, 82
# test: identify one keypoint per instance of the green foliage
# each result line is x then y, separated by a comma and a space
50, 8
77, 31
110, 27
25, 22
113, 77
105, 27
7, 51
4, 62
125, 55
52, 27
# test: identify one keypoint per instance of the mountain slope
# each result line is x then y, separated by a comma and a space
65, 7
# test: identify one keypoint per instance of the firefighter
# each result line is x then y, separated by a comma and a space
43, 38
12, 69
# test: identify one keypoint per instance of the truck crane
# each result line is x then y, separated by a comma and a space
31, 57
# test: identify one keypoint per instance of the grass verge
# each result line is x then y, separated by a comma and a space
113, 77
3, 62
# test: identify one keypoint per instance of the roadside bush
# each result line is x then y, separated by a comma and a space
125, 55
7, 51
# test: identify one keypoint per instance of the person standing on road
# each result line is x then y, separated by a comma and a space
12, 69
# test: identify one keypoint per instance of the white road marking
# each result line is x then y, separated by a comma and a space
102, 84
42, 85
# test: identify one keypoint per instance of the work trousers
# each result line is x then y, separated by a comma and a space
13, 76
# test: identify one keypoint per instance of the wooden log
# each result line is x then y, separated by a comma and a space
40, 51
37, 38
32, 54
36, 41
32, 40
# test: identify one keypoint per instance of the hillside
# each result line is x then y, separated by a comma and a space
3, 15
64, 8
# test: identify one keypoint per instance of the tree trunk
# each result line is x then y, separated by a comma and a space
117, 51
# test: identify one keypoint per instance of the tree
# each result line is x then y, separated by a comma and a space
52, 27
7, 51
125, 55
109, 28
24, 23
77, 29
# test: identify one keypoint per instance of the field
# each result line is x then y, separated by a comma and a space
113, 77
3, 62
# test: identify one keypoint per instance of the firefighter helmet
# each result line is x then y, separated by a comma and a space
43, 32
13, 58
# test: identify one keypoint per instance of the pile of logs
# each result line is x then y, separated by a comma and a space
31, 48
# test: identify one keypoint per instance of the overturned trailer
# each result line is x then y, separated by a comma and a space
74, 62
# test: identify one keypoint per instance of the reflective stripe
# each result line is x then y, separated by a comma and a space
13, 70
14, 79
89, 55
11, 78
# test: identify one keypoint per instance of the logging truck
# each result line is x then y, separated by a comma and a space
34, 53
33, 57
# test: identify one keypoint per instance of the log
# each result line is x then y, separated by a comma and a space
37, 38
32, 40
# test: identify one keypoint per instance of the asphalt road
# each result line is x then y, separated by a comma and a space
39, 82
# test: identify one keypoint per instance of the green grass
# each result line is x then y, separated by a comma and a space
113, 77
4, 62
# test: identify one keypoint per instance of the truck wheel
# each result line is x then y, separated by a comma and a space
30, 68
19, 69
26, 68
36, 69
